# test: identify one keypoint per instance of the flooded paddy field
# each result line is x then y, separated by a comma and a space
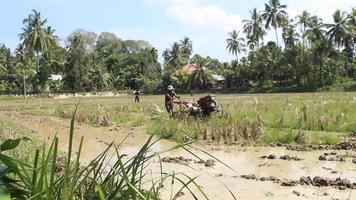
303, 145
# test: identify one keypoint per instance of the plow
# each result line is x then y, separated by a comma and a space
205, 106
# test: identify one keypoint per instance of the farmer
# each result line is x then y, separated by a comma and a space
137, 95
170, 96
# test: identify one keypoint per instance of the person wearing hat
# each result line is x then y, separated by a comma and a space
170, 96
137, 95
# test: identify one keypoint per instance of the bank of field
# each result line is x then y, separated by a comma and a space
314, 118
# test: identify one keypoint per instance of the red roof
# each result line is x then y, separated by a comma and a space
190, 68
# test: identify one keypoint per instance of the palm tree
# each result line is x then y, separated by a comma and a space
235, 44
187, 46
338, 30
289, 35
253, 27
202, 76
303, 20
35, 36
180, 79
275, 15
24, 61
154, 54
350, 39
173, 57
315, 29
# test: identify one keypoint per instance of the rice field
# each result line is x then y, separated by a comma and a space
249, 119
306, 118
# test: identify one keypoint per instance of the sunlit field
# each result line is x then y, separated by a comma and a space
316, 118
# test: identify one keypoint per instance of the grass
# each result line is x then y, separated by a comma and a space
11, 130
244, 118
298, 137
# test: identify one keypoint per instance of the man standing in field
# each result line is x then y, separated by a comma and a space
170, 96
137, 95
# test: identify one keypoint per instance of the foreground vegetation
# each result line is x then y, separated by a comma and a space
56, 175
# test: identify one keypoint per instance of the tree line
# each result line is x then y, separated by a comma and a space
310, 54
87, 62
314, 54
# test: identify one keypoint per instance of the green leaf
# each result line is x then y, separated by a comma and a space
10, 144
4, 193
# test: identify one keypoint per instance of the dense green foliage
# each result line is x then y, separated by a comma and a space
312, 55
87, 63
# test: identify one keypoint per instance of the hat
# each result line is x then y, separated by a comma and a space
170, 87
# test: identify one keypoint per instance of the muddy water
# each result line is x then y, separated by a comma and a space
243, 161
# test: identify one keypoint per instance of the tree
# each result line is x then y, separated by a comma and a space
303, 20
338, 30
253, 28
349, 39
135, 46
315, 30
108, 42
289, 35
235, 44
23, 63
98, 75
35, 36
88, 38
202, 77
173, 57
76, 66
187, 48
275, 16
180, 79
52, 62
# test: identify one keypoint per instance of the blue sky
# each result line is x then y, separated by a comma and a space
161, 22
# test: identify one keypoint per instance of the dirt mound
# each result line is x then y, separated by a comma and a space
287, 157
186, 161
317, 181
271, 157
284, 157
334, 156
341, 146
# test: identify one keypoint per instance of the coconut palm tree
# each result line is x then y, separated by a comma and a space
338, 30
315, 29
275, 16
35, 36
253, 28
289, 35
303, 20
235, 44
23, 62
202, 76
173, 57
154, 53
187, 46
350, 38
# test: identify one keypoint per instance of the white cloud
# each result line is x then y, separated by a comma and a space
206, 24
208, 16
323, 8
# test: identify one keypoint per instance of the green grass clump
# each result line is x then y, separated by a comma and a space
298, 137
25, 150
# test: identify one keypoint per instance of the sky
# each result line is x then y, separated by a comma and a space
160, 22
